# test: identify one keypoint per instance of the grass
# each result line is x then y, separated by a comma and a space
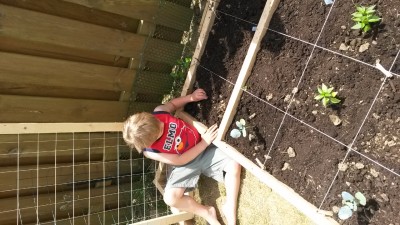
258, 205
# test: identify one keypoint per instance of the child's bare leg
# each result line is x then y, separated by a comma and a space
175, 197
232, 182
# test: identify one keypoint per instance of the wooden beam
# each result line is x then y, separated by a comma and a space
166, 13
57, 92
57, 31
41, 128
206, 25
66, 174
166, 220
66, 203
41, 109
111, 217
62, 73
10, 44
77, 12
278, 187
247, 66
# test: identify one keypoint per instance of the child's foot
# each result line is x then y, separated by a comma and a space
212, 216
229, 214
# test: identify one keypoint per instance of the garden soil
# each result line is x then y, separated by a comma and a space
292, 134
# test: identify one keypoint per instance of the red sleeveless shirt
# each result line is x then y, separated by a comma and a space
177, 137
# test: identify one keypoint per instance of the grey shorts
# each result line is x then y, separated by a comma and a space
211, 163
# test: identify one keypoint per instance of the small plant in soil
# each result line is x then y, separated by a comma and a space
327, 95
364, 17
350, 204
179, 75
241, 130
180, 69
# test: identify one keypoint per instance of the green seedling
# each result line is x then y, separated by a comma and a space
350, 204
241, 130
327, 95
363, 17
180, 69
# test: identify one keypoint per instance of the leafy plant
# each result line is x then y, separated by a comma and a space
363, 17
350, 204
326, 95
236, 133
180, 69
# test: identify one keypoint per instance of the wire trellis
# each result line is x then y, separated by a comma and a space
115, 188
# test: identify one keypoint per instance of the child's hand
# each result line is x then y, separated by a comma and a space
210, 135
198, 95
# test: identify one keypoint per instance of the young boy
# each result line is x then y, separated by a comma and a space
165, 138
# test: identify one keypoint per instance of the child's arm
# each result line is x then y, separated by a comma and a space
177, 103
178, 160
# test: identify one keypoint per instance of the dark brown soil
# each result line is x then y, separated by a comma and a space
280, 95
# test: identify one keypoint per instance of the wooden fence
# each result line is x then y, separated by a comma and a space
85, 60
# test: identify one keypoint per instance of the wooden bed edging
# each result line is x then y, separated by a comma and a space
42, 128
278, 187
247, 66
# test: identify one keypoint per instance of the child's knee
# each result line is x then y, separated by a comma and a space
233, 168
171, 197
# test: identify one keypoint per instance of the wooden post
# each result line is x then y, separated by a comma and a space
167, 220
42, 128
247, 66
206, 25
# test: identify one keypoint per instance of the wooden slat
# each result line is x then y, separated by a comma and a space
43, 128
77, 12
9, 44
166, 220
56, 31
66, 174
65, 206
61, 73
206, 25
166, 14
39, 109
96, 218
51, 148
269, 9
58, 92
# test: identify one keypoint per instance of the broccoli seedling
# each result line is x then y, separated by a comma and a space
363, 17
326, 95
350, 204
241, 130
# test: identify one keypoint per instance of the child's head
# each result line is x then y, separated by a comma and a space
141, 130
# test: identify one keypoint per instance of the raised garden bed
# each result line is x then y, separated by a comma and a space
281, 113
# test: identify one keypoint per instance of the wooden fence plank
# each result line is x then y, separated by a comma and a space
269, 9
167, 14
66, 173
57, 92
9, 44
40, 109
61, 73
51, 148
65, 204
166, 220
77, 12
45, 128
57, 31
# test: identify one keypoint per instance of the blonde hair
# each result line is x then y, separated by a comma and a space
141, 130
